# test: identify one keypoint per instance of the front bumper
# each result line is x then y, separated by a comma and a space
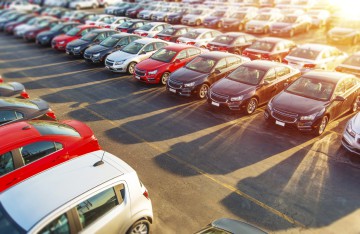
254, 30
142, 76
178, 88
223, 102
110, 65
352, 144
90, 58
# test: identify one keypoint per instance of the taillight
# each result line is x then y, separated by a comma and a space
24, 94
223, 48
309, 65
1, 79
156, 36
51, 114
146, 194
245, 53
92, 24
123, 30
107, 26
336, 69
265, 56
167, 38
285, 61
177, 41
191, 43
144, 34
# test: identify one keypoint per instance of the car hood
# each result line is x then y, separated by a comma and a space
356, 123
64, 37
17, 86
79, 42
231, 87
186, 75
341, 31
297, 104
281, 25
257, 23
150, 64
97, 48
121, 56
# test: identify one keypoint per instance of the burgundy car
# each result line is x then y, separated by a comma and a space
30, 35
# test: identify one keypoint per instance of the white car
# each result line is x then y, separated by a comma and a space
20, 30
94, 193
198, 37
262, 22
106, 3
351, 136
196, 16
21, 5
315, 56
319, 17
81, 4
125, 59
118, 21
151, 29
99, 19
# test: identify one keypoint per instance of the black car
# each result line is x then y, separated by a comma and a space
173, 33
252, 84
12, 89
15, 110
199, 74
131, 25
96, 36
175, 18
98, 53
44, 38
119, 9
9, 18
237, 20
232, 42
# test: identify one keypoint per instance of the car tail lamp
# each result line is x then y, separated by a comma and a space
223, 48
191, 43
92, 23
1, 79
24, 94
245, 53
265, 56
338, 69
167, 38
144, 34
309, 65
51, 114
123, 30
107, 26
146, 194
285, 61
177, 41
156, 36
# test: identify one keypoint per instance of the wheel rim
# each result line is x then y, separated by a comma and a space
141, 228
164, 78
251, 106
322, 125
355, 106
291, 33
240, 27
203, 91
131, 68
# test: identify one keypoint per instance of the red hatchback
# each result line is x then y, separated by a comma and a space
27, 148
161, 64
60, 42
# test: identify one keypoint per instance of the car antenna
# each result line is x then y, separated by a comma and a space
101, 162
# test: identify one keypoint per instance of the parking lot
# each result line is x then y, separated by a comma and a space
200, 164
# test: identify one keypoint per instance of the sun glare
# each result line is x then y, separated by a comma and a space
348, 8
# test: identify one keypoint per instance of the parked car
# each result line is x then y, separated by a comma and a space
239, 19
81, 4
131, 25
45, 25
45, 38
119, 9
251, 85
291, 25
172, 33
9, 19
315, 56
12, 89
20, 5
319, 17
262, 22
58, 12
350, 65
162, 14
313, 100
78, 47
199, 74
269, 48
151, 29
351, 135
21, 28
134, 11
60, 42
146, 13
105, 196
198, 37
126, 59
117, 22
232, 42
81, 16
225, 225
9, 27
115, 42
176, 17
214, 20
347, 31
195, 16
99, 19
163, 62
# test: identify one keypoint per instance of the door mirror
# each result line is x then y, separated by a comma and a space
177, 61
339, 99
217, 72
266, 82
143, 52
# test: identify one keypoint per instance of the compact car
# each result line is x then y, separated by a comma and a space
232, 42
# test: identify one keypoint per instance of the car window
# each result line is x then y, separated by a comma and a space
9, 115
335, 52
182, 55
282, 71
6, 163
233, 61
94, 207
340, 89
59, 225
67, 28
149, 47
214, 34
85, 31
280, 47
134, 38
101, 37
249, 38
193, 52
270, 75
221, 64
326, 54
37, 150
160, 45
123, 41
206, 35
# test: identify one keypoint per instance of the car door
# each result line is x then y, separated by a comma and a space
335, 107
147, 51
269, 87
350, 95
219, 71
180, 60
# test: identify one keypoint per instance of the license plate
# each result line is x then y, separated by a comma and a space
215, 104
107, 67
172, 90
137, 77
280, 123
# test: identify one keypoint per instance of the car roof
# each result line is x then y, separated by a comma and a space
315, 47
148, 40
327, 76
235, 226
236, 34
16, 132
273, 39
156, 23
84, 176
18, 103
100, 30
217, 55
137, 20
263, 64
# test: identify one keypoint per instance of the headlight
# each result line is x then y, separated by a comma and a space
119, 62
234, 99
350, 130
77, 48
61, 42
189, 84
309, 117
96, 55
44, 38
152, 72
31, 33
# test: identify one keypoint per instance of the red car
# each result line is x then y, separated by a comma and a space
162, 63
60, 42
27, 148
30, 35
269, 48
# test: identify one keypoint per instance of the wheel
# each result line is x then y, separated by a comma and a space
165, 77
131, 68
78, 7
354, 106
139, 227
197, 22
355, 40
322, 125
204, 88
291, 33
219, 24
278, 59
241, 27
94, 6
308, 27
251, 106
266, 30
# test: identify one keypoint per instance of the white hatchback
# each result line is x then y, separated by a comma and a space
94, 193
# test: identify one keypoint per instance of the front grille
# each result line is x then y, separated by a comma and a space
218, 97
139, 72
87, 56
175, 84
109, 62
284, 116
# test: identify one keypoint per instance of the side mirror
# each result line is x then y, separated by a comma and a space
177, 61
217, 72
266, 82
143, 52
339, 99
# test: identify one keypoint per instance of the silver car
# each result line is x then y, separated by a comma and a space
151, 29
198, 37
351, 136
94, 193
196, 16
125, 59
262, 22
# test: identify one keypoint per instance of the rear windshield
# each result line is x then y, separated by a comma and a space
7, 225
54, 128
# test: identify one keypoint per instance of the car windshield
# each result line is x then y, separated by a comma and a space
218, 13
247, 75
22, 18
168, 31
89, 36
262, 17
57, 28
164, 55
53, 128
133, 48
109, 20
191, 35
289, 19
262, 45
73, 31
146, 27
126, 24
110, 41
353, 60
200, 64
196, 12
43, 23
311, 88
238, 15
224, 39
32, 21
8, 225
305, 53
67, 14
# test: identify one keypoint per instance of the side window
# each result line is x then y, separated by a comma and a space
340, 89
182, 55
6, 163
133, 39
240, 40
84, 32
67, 28
221, 65
123, 41
58, 225
249, 38
193, 52
280, 47
231, 61
282, 71
214, 34
335, 52
160, 45
96, 206
206, 35
149, 47
7, 116
270, 75
349, 83
37, 150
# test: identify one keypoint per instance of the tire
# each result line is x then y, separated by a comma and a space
291, 33
354, 106
131, 68
322, 126
355, 40
197, 22
241, 27
308, 27
204, 88
251, 106
78, 7
139, 227
164, 78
